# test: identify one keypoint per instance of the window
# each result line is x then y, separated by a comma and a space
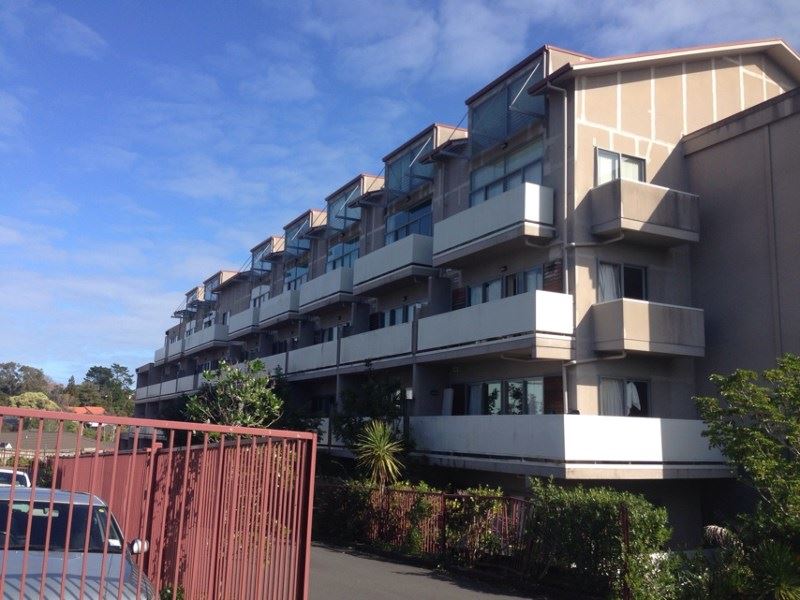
341, 216
613, 165
514, 397
326, 334
343, 254
495, 289
209, 291
259, 262
262, 297
37, 526
506, 111
416, 220
405, 173
295, 276
525, 396
296, 242
624, 397
516, 168
524, 281
392, 316
621, 281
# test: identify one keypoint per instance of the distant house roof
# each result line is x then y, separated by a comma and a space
87, 410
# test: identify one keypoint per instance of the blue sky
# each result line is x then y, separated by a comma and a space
145, 145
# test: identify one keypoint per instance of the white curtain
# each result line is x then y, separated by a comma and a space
631, 398
612, 397
610, 284
475, 399
536, 396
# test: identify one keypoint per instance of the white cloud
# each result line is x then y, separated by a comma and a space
44, 200
181, 82
281, 83
70, 36
11, 113
62, 32
470, 41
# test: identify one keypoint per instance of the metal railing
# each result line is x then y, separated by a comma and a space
199, 511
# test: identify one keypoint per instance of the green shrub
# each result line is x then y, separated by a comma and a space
471, 515
343, 512
577, 532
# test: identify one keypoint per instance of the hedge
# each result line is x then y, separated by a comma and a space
572, 537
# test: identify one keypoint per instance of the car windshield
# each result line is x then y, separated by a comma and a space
59, 518
5, 478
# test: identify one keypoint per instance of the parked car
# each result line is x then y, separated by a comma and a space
116, 569
7, 476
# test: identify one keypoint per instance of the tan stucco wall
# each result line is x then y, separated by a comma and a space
644, 113
746, 270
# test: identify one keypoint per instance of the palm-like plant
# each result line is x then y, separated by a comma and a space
377, 452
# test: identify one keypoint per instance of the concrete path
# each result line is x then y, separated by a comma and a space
337, 574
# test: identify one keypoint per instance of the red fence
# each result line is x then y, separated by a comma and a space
226, 511
469, 530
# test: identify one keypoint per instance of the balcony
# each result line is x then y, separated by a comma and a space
243, 322
505, 221
277, 309
394, 265
645, 213
208, 336
169, 387
330, 288
188, 383
141, 393
544, 316
570, 446
627, 325
160, 355
381, 343
174, 349
153, 391
313, 357
273, 362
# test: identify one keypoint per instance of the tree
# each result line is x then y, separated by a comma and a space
16, 379
377, 451
756, 423
33, 400
295, 415
375, 399
109, 387
236, 397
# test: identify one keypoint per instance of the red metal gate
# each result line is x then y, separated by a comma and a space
226, 511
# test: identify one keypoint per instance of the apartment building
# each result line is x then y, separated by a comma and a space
540, 282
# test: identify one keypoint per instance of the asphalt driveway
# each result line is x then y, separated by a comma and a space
337, 574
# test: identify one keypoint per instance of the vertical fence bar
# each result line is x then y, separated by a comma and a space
24, 572
308, 515
147, 527
115, 457
181, 513
263, 529
443, 527
3, 570
163, 528
624, 522
202, 517
214, 583
88, 527
65, 555
48, 531
231, 519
